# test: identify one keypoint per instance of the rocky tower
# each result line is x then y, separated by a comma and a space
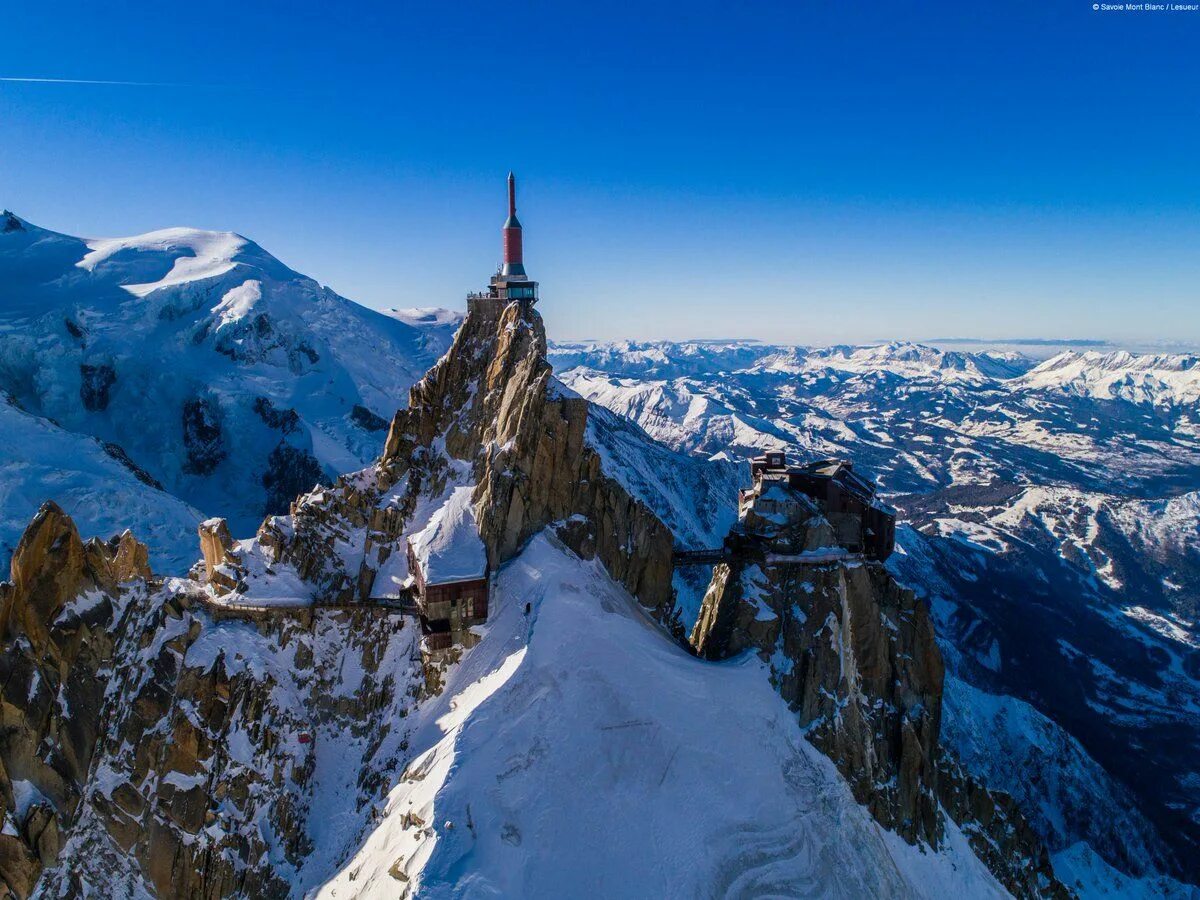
525, 438
853, 653
491, 415
56, 617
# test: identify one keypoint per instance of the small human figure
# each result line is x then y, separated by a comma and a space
528, 606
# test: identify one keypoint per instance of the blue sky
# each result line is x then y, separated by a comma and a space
793, 171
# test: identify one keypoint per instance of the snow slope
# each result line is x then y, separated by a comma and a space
1065, 792
578, 752
449, 548
103, 493
692, 497
1086, 873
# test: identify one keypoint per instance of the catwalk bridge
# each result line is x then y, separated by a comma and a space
697, 557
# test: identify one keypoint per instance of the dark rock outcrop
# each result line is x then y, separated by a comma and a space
260, 337
291, 471
94, 385
202, 437
117, 452
285, 420
367, 420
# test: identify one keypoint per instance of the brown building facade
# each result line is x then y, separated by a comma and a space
862, 522
448, 608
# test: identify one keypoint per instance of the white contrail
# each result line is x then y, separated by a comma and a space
88, 81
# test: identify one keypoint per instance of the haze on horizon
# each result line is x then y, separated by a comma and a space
792, 174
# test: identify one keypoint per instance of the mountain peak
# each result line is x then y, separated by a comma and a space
1154, 379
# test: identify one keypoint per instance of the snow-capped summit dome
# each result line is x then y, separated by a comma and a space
219, 370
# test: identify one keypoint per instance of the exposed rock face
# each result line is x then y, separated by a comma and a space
222, 565
290, 471
54, 618
854, 654
260, 337
285, 420
999, 834
367, 420
209, 764
150, 744
202, 436
488, 414
74, 329
117, 452
539, 467
94, 384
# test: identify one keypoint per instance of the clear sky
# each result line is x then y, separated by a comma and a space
801, 172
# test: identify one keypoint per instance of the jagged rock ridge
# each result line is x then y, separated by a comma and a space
153, 743
199, 775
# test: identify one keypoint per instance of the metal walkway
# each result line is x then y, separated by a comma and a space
697, 557
404, 605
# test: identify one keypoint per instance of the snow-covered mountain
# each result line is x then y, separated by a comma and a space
231, 380
926, 418
672, 359
275, 724
314, 749
1053, 525
1158, 380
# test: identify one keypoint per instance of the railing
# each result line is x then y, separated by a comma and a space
405, 605
697, 557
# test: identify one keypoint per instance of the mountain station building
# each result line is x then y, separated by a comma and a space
861, 522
